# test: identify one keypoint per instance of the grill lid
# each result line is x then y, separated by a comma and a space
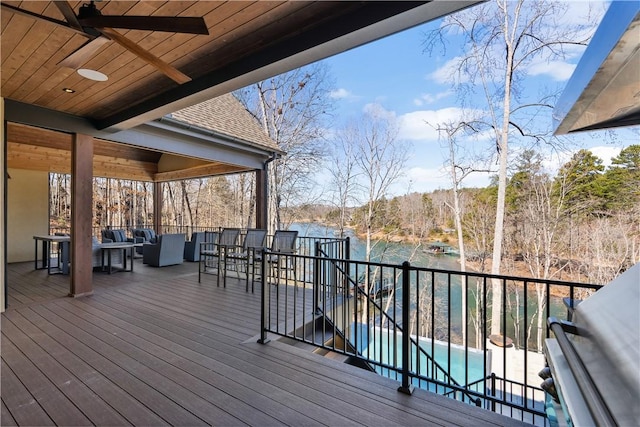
608, 342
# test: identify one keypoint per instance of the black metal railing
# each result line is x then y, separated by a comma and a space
426, 328
334, 247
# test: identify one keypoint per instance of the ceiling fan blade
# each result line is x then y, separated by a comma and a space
171, 72
83, 53
23, 12
178, 24
68, 13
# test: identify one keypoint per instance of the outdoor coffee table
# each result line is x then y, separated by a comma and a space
108, 248
134, 253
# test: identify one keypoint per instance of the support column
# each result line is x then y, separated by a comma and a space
157, 207
3, 211
81, 213
261, 198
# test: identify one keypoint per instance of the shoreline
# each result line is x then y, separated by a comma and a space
510, 268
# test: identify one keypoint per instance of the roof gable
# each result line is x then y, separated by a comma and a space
227, 116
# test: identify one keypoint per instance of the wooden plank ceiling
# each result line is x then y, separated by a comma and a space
31, 50
247, 41
50, 151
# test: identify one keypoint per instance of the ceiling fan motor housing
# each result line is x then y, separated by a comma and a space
88, 10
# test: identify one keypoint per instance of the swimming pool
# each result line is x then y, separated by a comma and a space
437, 360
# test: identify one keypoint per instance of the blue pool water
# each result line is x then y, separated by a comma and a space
438, 360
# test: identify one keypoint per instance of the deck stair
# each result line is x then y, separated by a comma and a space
320, 338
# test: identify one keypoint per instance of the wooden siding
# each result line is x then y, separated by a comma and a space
154, 347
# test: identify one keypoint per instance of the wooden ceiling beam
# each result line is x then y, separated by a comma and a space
199, 172
30, 157
47, 159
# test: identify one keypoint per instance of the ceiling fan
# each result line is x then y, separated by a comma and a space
99, 28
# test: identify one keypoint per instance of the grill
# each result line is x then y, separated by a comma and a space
593, 373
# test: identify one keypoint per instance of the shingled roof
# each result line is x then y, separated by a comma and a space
226, 115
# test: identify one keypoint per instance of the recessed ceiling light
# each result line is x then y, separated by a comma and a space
68, 90
92, 75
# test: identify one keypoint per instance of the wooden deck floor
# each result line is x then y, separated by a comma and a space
155, 347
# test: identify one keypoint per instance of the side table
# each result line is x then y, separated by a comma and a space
108, 248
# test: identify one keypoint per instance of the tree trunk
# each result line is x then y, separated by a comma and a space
502, 146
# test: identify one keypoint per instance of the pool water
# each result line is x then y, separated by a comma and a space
437, 360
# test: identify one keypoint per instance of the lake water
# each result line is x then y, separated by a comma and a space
391, 253
397, 253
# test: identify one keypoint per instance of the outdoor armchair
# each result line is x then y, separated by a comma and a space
147, 234
212, 253
207, 248
192, 247
168, 250
283, 245
143, 235
242, 258
118, 236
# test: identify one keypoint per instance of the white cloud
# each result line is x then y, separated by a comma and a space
425, 179
340, 94
606, 153
448, 72
584, 13
375, 109
553, 162
557, 70
422, 124
427, 98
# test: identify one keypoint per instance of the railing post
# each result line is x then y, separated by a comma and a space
264, 299
347, 248
316, 279
347, 268
493, 391
406, 386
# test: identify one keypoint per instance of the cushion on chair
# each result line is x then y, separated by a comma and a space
147, 234
119, 235
110, 236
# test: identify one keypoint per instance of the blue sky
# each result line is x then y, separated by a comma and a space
396, 75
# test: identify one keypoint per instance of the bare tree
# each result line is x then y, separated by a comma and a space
457, 173
380, 159
502, 39
376, 159
344, 176
291, 108
541, 215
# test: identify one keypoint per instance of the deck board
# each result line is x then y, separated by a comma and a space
5, 416
111, 394
155, 347
148, 386
25, 409
75, 391
60, 409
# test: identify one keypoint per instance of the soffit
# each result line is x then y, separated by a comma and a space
604, 90
45, 150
